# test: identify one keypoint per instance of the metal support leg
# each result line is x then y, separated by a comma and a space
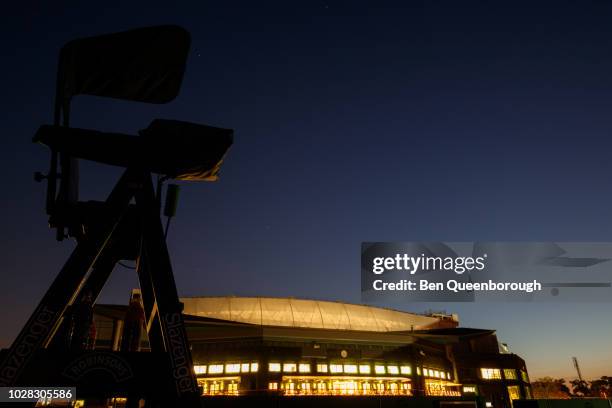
93, 283
153, 325
45, 318
164, 287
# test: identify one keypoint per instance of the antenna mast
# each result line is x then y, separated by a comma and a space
575, 360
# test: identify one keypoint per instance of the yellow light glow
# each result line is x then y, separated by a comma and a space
274, 367
321, 368
215, 369
335, 368
219, 385
199, 369
304, 368
350, 368
244, 367
406, 370
510, 374
490, 373
232, 368
441, 388
254, 367
344, 385
289, 367
364, 369
379, 369
393, 369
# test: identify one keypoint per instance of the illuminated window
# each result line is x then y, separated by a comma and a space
199, 369
379, 369
274, 367
364, 369
290, 388
273, 386
436, 373
321, 368
489, 404
426, 372
393, 388
418, 370
215, 387
215, 369
490, 373
469, 389
304, 368
448, 376
335, 368
254, 367
510, 374
393, 369
350, 369
513, 392
232, 368
305, 386
380, 388
524, 376
289, 367
232, 388
406, 370
244, 367
321, 386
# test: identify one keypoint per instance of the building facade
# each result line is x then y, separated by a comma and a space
294, 347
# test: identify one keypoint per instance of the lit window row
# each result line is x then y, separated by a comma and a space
341, 368
430, 372
509, 374
289, 367
230, 368
213, 386
341, 386
490, 373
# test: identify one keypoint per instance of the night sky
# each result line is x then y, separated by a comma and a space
354, 121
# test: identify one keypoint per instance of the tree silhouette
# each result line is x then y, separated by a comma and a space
550, 388
601, 388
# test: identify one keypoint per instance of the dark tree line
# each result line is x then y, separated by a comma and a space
550, 388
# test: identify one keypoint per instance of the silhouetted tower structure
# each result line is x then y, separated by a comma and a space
144, 65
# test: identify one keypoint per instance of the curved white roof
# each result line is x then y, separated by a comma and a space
304, 313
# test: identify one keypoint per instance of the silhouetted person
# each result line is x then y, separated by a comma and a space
81, 315
134, 322
91, 338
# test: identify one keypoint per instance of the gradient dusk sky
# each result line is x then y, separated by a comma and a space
355, 121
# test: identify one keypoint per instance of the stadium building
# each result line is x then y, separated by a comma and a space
293, 347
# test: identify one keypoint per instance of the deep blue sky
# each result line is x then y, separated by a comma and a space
355, 121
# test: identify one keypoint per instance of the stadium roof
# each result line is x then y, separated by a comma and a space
290, 312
